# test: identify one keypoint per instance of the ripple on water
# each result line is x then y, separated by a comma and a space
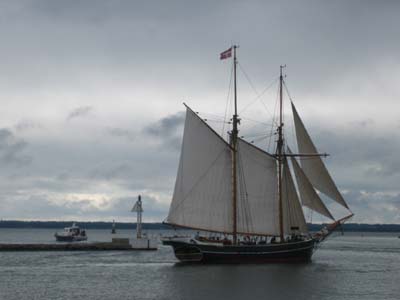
345, 267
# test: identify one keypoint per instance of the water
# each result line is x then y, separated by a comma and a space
345, 267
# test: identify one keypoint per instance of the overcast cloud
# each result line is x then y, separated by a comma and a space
92, 93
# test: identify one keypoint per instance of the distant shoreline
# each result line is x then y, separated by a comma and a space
350, 227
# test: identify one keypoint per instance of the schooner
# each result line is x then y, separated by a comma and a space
248, 195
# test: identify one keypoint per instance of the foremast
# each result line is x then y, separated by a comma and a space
280, 155
310, 153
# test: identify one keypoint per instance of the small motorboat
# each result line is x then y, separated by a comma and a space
71, 234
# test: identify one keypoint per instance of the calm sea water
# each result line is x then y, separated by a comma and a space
352, 266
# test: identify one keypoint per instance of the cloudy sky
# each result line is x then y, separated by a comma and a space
91, 96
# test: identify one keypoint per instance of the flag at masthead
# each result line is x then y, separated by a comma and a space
226, 54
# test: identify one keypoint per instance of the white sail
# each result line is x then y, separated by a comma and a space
203, 190
313, 167
257, 206
308, 195
293, 216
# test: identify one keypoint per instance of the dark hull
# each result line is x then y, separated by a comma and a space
295, 252
61, 238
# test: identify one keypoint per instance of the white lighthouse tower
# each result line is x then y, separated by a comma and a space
139, 210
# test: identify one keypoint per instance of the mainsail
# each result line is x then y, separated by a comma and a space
313, 167
203, 190
258, 206
293, 216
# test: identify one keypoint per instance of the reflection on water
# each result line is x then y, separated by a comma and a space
345, 267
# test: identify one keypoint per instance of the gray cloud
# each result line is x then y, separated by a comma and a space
41, 206
168, 130
79, 112
132, 60
385, 205
26, 124
11, 149
166, 126
127, 134
372, 154
111, 173
122, 207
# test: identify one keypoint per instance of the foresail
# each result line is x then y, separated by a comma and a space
308, 195
203, 190
258, 206
293, 216
313, 167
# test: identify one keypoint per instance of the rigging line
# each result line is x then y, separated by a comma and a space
199, 180
298, 214
308, 158
259, 139
230, 113
249, 218
248, 78
219, 197
290, 211
266, 108
264, 135
228, 99
310, 215
245, 208
256, 140
287, 90
259, 96
205, 114
274, 117
216, 121
253, 130
286, 200
255, 121
241, 191
294, 137
292, 129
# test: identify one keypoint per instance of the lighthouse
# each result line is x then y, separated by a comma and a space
139, 210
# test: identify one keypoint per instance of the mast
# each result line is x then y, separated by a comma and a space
233, 141
280, 155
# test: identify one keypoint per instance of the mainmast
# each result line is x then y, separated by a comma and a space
233, 141
280, 155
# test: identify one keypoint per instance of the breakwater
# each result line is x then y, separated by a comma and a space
98, 246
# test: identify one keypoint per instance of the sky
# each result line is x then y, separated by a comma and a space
91, 97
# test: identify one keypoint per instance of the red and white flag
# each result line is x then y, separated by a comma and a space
226, 54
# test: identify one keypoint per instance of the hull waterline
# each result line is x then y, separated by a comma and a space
61, 238
190, 251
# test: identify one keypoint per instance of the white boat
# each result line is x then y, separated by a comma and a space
71, 234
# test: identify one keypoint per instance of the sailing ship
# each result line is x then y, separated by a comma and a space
248, 196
